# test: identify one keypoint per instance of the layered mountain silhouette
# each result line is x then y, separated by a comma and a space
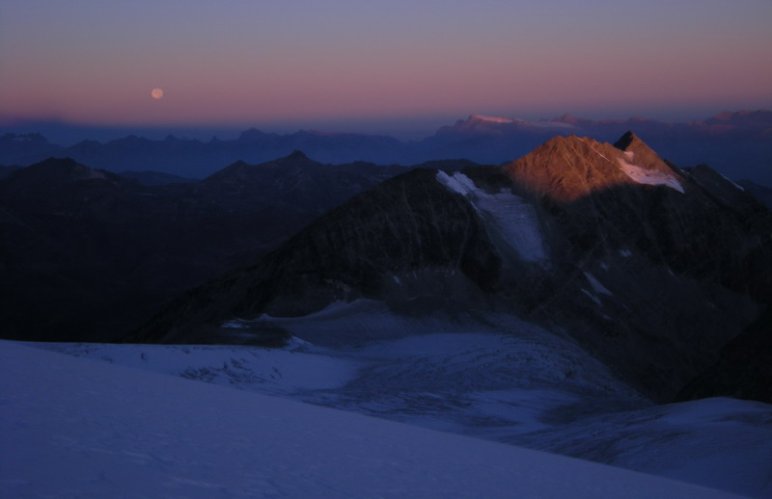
196, 159
88, 254
739, 144
651, 268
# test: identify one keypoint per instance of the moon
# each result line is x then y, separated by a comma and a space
157, 93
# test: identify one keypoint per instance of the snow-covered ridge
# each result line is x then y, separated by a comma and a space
512, 217
77, 428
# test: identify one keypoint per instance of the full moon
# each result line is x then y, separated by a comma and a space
157, 93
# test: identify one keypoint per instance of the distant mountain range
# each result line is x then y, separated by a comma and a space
738, 144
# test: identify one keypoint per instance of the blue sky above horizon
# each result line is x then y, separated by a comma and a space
398, 67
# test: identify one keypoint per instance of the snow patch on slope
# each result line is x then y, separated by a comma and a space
458, 183
642, 175
590, 145
592, 297
732, 182
596, 285
513, 218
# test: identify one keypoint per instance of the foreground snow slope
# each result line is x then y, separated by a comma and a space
72, 427
533, 390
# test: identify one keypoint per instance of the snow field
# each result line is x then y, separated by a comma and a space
73, 427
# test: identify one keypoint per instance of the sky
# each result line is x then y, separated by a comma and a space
377, 64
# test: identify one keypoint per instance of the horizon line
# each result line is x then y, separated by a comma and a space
367, 127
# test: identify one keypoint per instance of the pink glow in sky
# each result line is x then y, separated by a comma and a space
236, 61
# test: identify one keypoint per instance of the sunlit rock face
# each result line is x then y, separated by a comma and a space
569, 168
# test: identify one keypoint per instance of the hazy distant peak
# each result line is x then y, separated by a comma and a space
24, 138
251, 135
297, 155
730, 115
568, 118
483, 118
480, 123
759, 119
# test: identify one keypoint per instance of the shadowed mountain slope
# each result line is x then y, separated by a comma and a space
650, 268
88, 254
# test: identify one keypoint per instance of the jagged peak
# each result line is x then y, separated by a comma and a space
236, 169
626, 140
297, 155
629, 141
294, 158
645, 156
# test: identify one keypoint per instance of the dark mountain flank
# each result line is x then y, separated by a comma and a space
651, 268
89, 255
744, 367
761, 192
